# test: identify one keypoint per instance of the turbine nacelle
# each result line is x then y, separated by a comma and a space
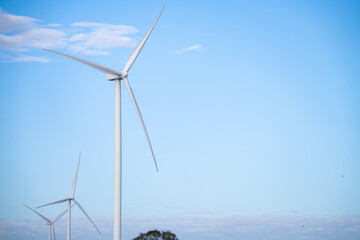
112, 77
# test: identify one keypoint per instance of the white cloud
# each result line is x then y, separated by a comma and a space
30, 59
121, 29
188, 49
53, 25
12, 23
97, 37
82, 49
101, 39
33, 38
22, 58
22, 34
79, 37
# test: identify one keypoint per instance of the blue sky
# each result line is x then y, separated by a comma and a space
251, 107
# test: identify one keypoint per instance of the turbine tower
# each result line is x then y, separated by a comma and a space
48, 221
69, 199
117, 76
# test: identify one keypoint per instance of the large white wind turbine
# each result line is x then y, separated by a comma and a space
69, 199
117, 76
48, 221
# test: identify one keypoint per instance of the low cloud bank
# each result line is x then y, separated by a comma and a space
195, 227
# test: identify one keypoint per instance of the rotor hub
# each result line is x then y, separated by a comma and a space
124, 74
112, 77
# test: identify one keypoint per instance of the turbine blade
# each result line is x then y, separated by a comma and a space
75, 178
60, 201
132, 96
61, 214
54, 231
42, 216
138, 48
90, 64
86, 215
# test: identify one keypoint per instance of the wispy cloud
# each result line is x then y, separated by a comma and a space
188, 49
53, 25
30, 59
22, 58
95, 38
33, 38
22, 34
13, 23
121, 29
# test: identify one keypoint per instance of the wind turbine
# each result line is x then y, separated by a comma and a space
48, 221
117, 76
69, 199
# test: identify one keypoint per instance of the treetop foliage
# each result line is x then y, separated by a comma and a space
156, 235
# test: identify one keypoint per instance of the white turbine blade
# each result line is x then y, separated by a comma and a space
141, 119
90, 64
61, 214
138, 48
54, 231
75, 178
43, 217
86, 215
60, 201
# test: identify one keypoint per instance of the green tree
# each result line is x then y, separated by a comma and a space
167, 235
157, 235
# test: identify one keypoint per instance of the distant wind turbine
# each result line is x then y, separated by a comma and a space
117, 76
69, 199
48, 221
